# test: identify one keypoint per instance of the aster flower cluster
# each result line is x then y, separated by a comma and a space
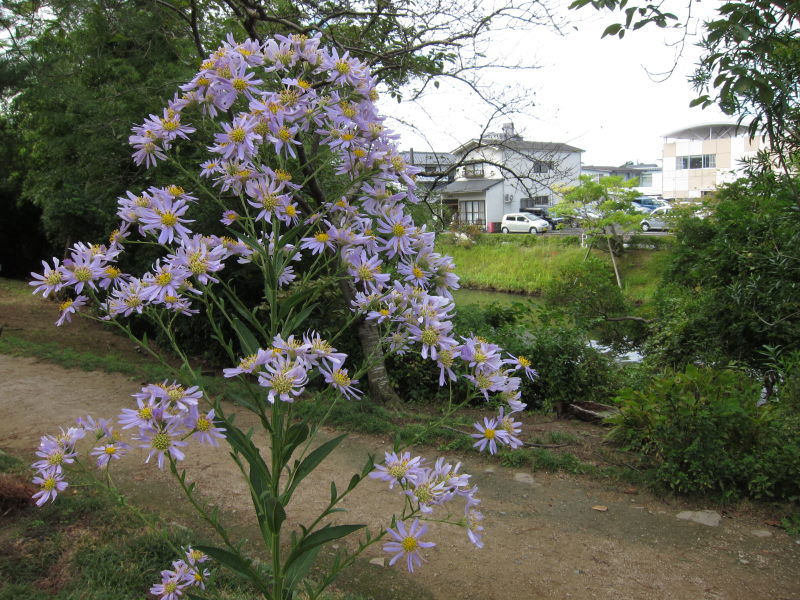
426, 488
284, 368
186, 574
284, 110
166, 415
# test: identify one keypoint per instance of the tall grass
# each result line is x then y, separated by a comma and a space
510, 265
526, 263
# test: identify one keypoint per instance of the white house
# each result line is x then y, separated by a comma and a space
698, 159
502, 173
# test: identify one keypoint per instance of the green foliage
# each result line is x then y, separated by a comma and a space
587, 293
705, 434
734, 278
568, 368
85, 77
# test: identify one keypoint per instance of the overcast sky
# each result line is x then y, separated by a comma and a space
589, 92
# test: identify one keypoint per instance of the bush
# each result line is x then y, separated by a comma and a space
569, 370
706, 434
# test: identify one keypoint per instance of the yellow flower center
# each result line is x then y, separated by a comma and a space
417, 272
365, 274
409, 544
176, 190
489, 433
65, 305
112, 272
430, 336
203, 424
56, 458
342, 66
54, 278
169, 219
145, 413
523, 361
284, 134
110, 450
237, 135
160, 441
164, 278
322, 237
83, 274
49, 484
340, 378
283, 175
291, 210
239, 84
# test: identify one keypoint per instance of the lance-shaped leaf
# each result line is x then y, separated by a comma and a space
310, 463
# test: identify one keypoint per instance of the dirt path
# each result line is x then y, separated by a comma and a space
543, 540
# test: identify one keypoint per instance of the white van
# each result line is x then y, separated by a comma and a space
523, 223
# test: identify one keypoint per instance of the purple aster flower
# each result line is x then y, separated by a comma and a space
51, 482
490, 433
238, 140
340, 381
105, 452
407, 543
367, 270
167, 280
51, 280
284, 378
204, 428
171, 587
53, 454
162, 441
397, 228
166, 216
399, 469
69, 308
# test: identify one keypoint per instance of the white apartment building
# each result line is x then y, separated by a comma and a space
698, 159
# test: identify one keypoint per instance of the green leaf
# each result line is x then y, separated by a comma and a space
612, 29
318, 538
294, 323
295, 572
236, 563
310, 463
247, 340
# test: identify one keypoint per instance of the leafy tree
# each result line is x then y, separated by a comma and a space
735, 278
604, 210
82, 79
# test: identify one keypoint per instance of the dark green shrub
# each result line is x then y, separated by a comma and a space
705, 433
569, 370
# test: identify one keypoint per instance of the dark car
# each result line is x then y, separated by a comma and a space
543, 213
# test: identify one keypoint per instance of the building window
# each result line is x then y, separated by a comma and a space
645, 179
473, 170
472, 212
535, 201
540, 167
697, 161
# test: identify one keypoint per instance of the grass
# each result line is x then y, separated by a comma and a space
525, 264
73, 359
88, 546
510, 266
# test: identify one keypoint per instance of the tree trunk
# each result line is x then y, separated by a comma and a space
613, 261
380, 388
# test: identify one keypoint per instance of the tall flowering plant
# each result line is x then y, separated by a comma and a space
280, 113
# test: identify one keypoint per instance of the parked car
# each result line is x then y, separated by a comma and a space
544, 213
657, 219
646, 204
523, 223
